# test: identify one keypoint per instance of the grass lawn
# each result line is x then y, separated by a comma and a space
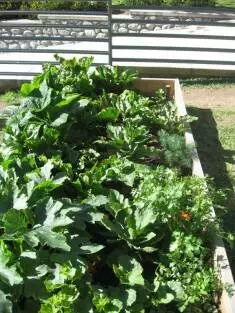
9, 97
226, 3
214, 131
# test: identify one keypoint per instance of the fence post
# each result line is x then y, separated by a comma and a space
110, 31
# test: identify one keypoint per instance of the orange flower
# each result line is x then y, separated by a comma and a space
186, 216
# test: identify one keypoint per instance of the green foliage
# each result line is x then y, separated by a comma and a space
93, 5
168, 3
62, 5
174, 149
92, 217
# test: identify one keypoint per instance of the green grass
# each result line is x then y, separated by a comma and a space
10, 97
214, 132
226, 3
215, 82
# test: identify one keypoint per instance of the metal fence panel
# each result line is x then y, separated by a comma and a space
157, 37
192, 36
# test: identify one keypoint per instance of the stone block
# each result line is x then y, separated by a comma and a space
101, 35
38, 32
28, 33
123, 30
3, 45
63, 32
14, 46
87, 23
150, 26
16, 31
25, 45
90, 33
33, 44
133, 26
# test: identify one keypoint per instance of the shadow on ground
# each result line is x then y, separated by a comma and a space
213, 158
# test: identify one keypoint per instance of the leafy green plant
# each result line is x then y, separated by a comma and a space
175, 150
92, 218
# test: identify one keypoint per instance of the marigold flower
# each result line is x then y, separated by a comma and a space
186, 216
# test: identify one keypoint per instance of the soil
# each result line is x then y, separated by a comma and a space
210, 98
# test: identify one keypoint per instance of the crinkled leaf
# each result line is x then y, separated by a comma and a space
105, 303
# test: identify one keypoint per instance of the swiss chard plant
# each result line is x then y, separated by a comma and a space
98, 209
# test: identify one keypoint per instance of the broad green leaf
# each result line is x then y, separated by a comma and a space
29, 254
56, 215
97, 201
28, 88
52, 207
8, 274
109, 114
5, 303
83, 102
90, 249
60, 178
129, 271
15, 222
177, 288
20, 202
46, 170
66, 102
167, 298
131, 296
62, 119
46, 236
144, 217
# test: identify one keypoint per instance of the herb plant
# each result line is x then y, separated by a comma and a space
93, 216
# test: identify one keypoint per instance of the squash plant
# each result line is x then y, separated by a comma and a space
98, 209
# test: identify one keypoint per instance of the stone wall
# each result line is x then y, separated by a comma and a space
91, 27
52, 29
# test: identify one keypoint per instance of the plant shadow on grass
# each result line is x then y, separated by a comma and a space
213, 158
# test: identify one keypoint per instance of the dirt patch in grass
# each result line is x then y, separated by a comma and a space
210, 97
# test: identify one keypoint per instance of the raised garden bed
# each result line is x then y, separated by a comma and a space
100, 212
